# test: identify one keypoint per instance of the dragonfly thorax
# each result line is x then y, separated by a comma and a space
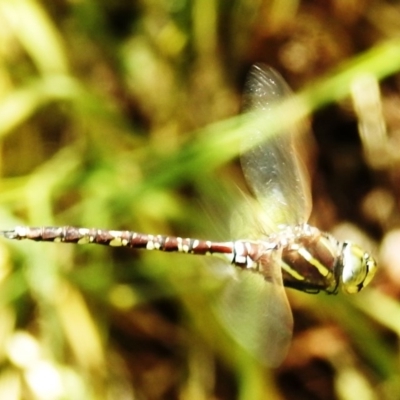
314, 261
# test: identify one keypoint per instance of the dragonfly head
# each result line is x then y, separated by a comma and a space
358, 268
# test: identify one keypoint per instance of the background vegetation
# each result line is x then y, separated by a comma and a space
121, 115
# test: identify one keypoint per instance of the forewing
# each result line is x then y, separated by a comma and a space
271, 166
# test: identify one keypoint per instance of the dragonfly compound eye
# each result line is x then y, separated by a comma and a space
358, 268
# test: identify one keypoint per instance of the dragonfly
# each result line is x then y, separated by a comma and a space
288, 252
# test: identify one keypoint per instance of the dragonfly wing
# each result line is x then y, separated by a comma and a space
271, 166
256, 313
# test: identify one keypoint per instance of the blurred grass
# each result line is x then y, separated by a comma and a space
123, 116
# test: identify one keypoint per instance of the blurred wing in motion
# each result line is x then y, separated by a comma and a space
256, 313
270, 166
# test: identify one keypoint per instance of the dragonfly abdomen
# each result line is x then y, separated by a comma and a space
244, 254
